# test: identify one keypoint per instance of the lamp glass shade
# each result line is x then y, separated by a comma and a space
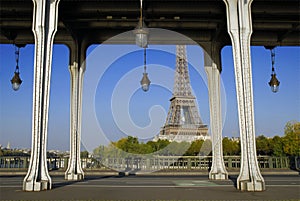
16, 81
16, 86
141, 35
274, 88
145, 82
274, 83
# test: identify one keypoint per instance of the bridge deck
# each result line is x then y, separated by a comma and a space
151, 188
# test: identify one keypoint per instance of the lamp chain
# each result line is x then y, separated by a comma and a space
273, 60
141, 13
144, 60
17, 54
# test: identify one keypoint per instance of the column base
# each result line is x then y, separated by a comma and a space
36, 186
74, 177
251, 186
218, 176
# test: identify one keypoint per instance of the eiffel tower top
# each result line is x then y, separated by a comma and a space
182, 87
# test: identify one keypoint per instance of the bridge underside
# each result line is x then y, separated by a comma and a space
274, 23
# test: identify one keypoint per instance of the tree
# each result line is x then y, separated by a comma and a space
144, 149
276, 146
206, 148
291, 139
262, 145
158, 145
195, 147
230, 147
176, 148
84, 154
129, 144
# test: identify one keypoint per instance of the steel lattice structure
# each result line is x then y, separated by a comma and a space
183, 122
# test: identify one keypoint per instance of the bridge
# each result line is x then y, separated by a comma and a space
212, 24
274, 23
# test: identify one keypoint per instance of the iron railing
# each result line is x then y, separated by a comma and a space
154, 163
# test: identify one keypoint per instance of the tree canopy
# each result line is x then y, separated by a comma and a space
288, 145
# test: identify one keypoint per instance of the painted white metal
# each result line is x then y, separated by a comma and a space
239, 24
44, 27
218, 170
77, 69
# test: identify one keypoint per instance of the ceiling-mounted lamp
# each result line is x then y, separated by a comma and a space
16, 80
145, 82
274, 83
141, 31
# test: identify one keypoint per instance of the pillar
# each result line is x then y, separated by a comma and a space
218, 170
77, 69
239, 25
44, 28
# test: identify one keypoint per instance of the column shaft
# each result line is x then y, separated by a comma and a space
44, 27
218, 170
77, 69
239, 25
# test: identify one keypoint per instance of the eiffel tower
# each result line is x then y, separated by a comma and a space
183, 122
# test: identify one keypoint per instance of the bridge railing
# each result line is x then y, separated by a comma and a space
155, 163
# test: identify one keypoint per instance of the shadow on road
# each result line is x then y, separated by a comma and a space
87, 178
233, 178
62, 184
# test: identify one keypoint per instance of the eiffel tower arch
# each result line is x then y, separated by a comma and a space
183, 122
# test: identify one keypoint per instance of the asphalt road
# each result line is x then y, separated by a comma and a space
151, 188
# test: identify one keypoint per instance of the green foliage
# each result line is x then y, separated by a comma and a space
175, 149
276, 146
288, 145
263, 145
195, 148
231, 147
206, 148
130, 145
84, 154
291, 139
158, 145
10, 152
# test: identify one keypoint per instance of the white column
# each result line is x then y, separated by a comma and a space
77, 69
239, 26
44, 28
218, 170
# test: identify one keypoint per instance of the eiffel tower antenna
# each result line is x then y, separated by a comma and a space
183, 122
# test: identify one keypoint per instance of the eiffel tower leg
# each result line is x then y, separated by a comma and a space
44, 29
77, 69
218, 170
240, 29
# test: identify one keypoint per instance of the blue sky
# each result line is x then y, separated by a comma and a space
146, 110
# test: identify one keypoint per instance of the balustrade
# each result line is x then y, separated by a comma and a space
155, 163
